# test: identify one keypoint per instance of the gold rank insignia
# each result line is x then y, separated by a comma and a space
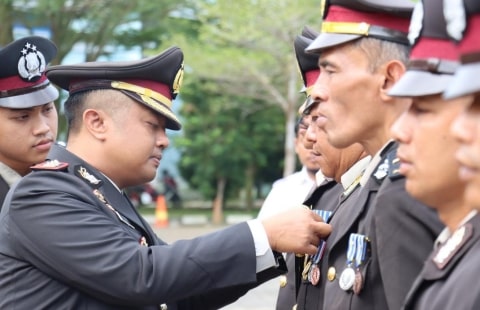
50, 165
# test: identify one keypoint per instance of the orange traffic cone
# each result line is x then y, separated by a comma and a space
161, 214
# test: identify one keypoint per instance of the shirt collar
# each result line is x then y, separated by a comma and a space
354, 172
446, 233
9, 175
373, 164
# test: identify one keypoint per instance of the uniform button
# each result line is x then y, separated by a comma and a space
163, 307
283, 281
294, 307
331, 274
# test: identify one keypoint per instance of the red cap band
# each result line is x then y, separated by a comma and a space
342, 14
311, 77
15, 82
435, 48
471, 39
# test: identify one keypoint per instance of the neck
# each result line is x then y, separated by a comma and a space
452, 216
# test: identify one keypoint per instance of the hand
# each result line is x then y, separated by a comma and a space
298, 230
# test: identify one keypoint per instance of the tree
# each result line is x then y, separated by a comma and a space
97, 24
247, 48
229, 141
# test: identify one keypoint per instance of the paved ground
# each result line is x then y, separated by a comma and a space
260, 298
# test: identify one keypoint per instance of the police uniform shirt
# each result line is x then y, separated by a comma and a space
449, 278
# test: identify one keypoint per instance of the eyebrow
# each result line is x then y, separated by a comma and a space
324, 63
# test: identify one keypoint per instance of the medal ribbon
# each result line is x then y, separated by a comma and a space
321, 247
361, 250
352, 249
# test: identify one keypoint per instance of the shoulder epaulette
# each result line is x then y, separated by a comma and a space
50, 165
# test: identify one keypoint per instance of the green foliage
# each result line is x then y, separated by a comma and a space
223, 134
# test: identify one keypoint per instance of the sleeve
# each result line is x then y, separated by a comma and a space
414, 228
62, 231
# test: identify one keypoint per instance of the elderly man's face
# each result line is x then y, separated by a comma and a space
333, 161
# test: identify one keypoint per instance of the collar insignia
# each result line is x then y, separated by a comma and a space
448, 250
382, 170
87, 176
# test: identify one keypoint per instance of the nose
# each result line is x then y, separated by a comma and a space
310, 136
319, 91
463, 127
400, 129
162, 140
44, 124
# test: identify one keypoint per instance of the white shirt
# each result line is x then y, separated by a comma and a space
287, 193
9, 175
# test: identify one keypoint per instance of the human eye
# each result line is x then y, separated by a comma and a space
326, 68
21, 116
48, 108
154, 125
418, 109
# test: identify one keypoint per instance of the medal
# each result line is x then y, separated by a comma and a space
306, 270
314, 274
359, 259
352, 278
358, 285
347, 277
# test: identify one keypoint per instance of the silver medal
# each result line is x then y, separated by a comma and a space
347, 279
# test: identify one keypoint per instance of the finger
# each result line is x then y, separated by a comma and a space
322, 230
311, 249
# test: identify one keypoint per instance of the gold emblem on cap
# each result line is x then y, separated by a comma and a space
143, 92
177, 82
283, 280
346, 27
331, 274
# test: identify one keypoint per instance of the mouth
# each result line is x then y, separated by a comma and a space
43, 144
405, 164
467, 170
156, 159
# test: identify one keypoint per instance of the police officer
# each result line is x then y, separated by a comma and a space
28, 118
447, 280
463, 28
339, 168
370, 260
69, 237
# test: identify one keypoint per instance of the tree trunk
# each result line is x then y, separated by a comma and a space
217, 216
249, 181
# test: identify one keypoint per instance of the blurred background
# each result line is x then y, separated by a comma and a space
238, 101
